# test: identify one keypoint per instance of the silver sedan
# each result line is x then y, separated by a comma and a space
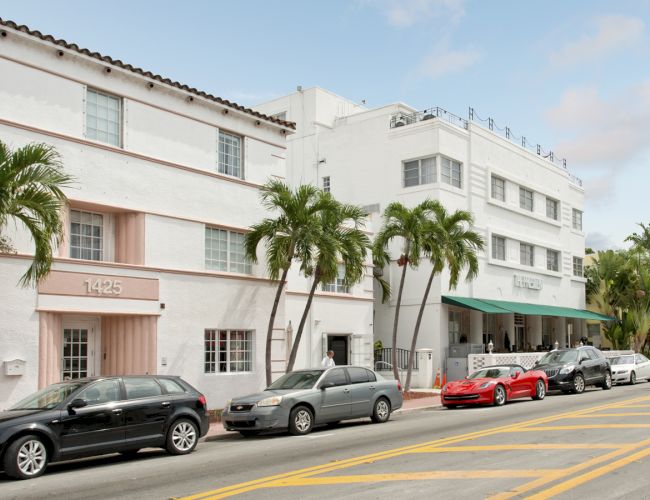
299, 400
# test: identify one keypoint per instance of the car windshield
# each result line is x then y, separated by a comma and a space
297, 380
622, 360
559, 357
491, 373
49, 397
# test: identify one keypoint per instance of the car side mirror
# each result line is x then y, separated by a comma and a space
77, 403
325, 385
515, 375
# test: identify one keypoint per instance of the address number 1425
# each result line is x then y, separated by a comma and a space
103, 287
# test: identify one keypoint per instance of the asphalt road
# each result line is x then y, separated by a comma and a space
595, 445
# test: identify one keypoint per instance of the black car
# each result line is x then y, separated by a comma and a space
571, 370
95, 416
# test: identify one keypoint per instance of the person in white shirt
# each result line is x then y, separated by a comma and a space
328, 360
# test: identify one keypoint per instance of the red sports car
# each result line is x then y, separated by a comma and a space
495, 385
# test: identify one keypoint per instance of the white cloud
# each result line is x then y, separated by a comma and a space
599, 241
404, 13
613, 33
443, 61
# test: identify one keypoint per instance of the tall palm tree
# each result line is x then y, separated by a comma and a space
31, 182
340, 236
408, 225
288, 236
641, 240
447, 240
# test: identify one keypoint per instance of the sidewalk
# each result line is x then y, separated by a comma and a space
217, 431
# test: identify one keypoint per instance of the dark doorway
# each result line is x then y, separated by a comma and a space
340, 345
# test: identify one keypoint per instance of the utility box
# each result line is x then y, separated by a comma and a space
15, 367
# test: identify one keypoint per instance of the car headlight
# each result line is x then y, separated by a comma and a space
272, 401
567, 369
444, 388
486, 384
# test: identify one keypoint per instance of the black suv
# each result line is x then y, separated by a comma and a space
570, 370
94, 416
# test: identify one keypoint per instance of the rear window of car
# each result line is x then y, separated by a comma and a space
171, 386
358, 375
337, 376
141, 388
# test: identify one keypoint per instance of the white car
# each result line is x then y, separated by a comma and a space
629, 368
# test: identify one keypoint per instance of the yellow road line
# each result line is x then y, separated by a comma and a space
636, 406
581, 427
515, 447
607, 415
588, 476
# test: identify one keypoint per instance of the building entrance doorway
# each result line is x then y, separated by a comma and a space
340, 344
520, 333
78, 358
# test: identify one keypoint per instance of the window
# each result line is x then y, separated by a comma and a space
137, 388
551, 208
338, 285
224, 251
552, 260
526, 254
230, 154
498, 247
577, 219
326, 184
86, 235
450, 172
358, 375
101, 392
228, 351
577, 266
454, 327
526, 199
103, 120
336, 376
418, 172
498, 188
171, 386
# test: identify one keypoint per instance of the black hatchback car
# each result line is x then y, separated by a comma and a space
95, 416
571, 370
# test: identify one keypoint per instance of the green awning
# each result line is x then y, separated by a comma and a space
502, 307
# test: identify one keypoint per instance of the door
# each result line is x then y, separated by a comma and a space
335, 400
361, 391
78, 353
340, 344
519, 386
146, 411
98, 426
643, 366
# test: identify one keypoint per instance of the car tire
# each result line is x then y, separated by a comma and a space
607, 383
249, 433
632, 378
380, 411
540, 390
578, 383
26, 458
499, 395
182, 437
301, 421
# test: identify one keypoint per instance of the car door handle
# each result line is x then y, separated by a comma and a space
165, 404
372, 387
346, 391
117, 411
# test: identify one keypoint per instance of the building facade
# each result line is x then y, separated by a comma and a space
151, 277
527, 208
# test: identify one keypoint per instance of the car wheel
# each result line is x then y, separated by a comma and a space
182, 437
249, 433
301, 421
579, 383
381, 411
632, 378
540, 390
26, 458
499, 395
607, 383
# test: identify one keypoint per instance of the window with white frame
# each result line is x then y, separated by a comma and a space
498, 188
526, 254
526, 199
224, 251
326, 184
552, 208
338, 285
450, 172
86, 235
228, 351
421, 171
577, 266
577, 219
498, 247
103, 117
230, 157
552, 260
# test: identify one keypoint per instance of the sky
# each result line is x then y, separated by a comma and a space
572, 76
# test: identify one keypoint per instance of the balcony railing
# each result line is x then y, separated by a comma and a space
401, 119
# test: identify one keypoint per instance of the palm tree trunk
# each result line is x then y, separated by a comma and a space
269, 331
303, 320
416, 331
397, 306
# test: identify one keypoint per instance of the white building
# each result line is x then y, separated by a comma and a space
151, 277
527, 208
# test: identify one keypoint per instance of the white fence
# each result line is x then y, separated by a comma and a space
525, 359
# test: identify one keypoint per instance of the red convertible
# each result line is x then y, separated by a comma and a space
495, 385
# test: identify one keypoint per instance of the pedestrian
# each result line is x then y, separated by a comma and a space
328, 360
506, 342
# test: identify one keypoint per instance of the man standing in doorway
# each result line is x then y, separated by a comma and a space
328, 360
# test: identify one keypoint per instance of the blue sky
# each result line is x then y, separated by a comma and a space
571, 76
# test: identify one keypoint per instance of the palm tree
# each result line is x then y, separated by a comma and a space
31, 182
290, 235
340, 236
447, 241
641, 241
408, 225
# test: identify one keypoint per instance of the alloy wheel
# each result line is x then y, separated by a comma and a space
32, 457
302, 421
499, 395
184, 436
540, 390
578, 384
381, 409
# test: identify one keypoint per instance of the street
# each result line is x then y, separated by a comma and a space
573, 446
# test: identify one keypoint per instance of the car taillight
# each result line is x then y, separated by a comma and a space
202, 400
399, 386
